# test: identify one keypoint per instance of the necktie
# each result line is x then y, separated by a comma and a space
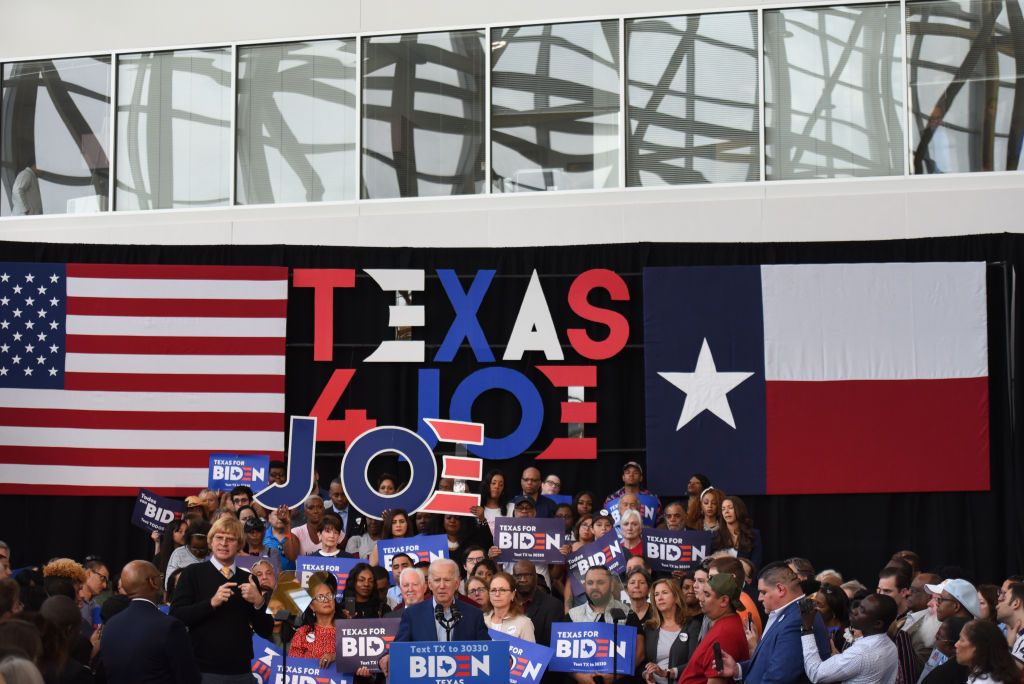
600, 617
226, 572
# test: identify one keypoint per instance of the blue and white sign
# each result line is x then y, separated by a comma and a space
447, 662
606, 551
228, 471
153, 512
587, 647
684, 550
308, 671
305, 566
527, 661
534, 539
648, 509
560, 499
265, 658
422, 547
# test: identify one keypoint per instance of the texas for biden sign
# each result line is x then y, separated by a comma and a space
666, 550
361, 643
587, 647
532, 539
228, 471
449, 662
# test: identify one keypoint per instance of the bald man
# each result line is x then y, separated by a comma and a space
141, 644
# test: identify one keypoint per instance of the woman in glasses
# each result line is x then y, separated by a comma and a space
316, 638
476, 590
504, 614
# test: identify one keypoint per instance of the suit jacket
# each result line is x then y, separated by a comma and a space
418, 624
779, 657
141, 645
543, 610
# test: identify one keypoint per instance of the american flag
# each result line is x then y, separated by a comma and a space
116, 377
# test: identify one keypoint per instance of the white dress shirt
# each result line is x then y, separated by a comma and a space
870, 660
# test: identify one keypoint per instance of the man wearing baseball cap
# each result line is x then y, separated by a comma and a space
632, 476
955, 598
721, 603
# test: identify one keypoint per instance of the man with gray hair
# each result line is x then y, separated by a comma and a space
443, 618
413, 587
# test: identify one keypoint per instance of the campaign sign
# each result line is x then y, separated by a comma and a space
266, 658
606, 551
666, 550
361, 643
448, 662
422, 547
560, 499
153, 512
587, 647
526, 660
307, 671
228, 471
532, 539
648, 509
307, 565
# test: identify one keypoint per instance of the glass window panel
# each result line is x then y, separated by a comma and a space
833, 92
54, 135
964, 63
693, 102
423, 114
555, 107
173, 129
296, 122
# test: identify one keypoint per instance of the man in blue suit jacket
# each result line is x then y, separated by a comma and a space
442, 618
779, 656
141, 644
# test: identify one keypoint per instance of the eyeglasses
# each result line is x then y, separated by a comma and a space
499, 590
103, 578
531, 479
943, 599
323, 598
477, 590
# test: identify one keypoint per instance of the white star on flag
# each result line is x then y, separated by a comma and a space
706, 389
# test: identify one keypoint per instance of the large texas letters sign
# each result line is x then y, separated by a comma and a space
534, 330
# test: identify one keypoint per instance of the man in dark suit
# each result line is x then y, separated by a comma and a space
222, 604
538, 605
442, 618
141, 644
779, 655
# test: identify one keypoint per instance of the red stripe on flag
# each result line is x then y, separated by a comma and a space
198, 308
126, 458
153, 382
234, 346
866, 436
85, 490
140, 420
176, 272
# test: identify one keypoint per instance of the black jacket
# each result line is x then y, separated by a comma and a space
142, 645
221, 636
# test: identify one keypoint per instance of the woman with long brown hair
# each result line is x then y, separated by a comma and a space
669, 636
983, 650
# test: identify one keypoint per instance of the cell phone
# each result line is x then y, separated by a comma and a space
807, 606
750, 622
350, 605
719, 664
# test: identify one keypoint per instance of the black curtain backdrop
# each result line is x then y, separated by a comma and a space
980, 531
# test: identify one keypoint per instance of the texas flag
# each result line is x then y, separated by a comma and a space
818, 378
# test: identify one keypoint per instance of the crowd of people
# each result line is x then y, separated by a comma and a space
188, 613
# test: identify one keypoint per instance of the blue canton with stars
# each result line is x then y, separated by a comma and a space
33, 304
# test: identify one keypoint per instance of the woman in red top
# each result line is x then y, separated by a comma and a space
631, 526
318, 639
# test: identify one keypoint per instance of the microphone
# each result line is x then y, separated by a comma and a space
616, 614
456, 613
439, 613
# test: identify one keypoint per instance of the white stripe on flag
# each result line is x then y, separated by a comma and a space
183, 402
161, 326
102, 476
174, 364
85, 438
158, 288
875, 321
